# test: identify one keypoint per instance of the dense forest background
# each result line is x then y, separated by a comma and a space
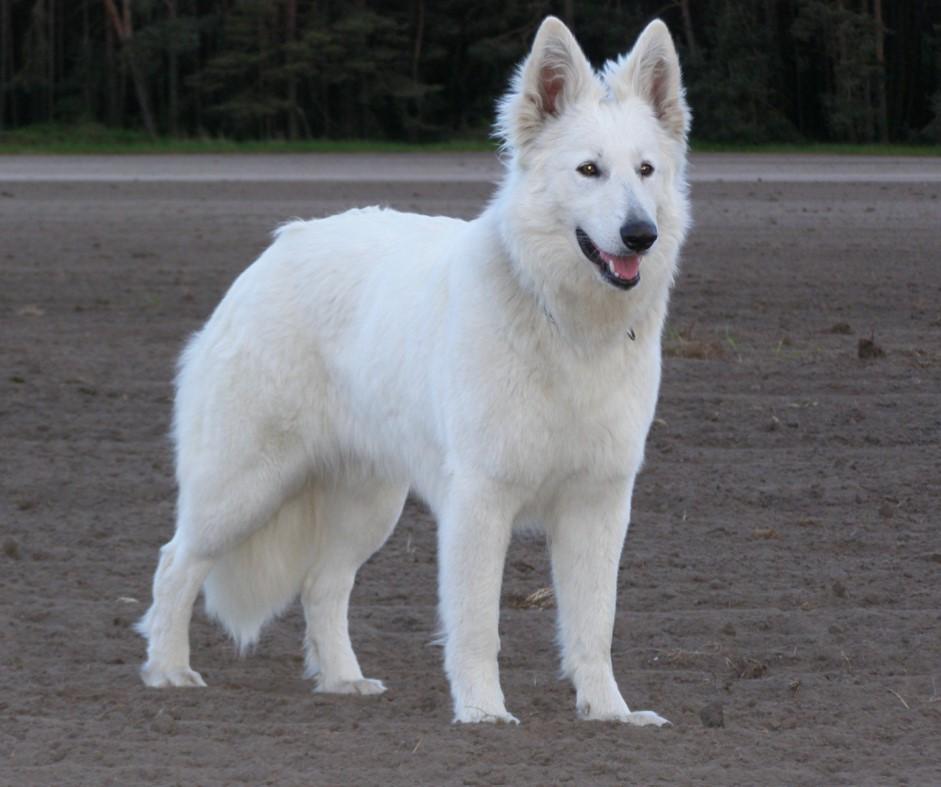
420, 70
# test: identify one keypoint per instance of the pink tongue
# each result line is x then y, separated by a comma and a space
623, 267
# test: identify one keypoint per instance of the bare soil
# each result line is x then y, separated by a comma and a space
779, 601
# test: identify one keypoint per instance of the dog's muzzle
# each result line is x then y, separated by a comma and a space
621, 271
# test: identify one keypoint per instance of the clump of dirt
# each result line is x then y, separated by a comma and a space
868, 349
11, 548
713, 715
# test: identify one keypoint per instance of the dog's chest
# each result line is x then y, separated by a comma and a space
535, 424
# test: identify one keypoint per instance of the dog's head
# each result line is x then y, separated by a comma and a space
597, 160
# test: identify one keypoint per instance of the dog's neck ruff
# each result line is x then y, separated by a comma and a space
572, 302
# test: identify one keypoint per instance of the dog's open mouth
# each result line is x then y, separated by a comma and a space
622, 272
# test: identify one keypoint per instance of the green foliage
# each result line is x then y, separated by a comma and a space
757, 71
241, 83
850, 68
732, 82
932, 132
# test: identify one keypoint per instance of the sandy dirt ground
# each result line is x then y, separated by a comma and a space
779, 596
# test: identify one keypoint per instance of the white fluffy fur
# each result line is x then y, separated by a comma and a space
486, 365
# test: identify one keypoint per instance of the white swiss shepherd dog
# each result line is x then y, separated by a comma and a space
506, 369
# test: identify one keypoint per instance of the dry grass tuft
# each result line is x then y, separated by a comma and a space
764, 532
543, 598
745, 667
678, 657
685, 343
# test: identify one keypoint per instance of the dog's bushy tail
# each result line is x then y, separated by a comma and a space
256, 581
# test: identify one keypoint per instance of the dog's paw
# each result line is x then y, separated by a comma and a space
639, 718
181, 677
646, 718
473, 715
362, 686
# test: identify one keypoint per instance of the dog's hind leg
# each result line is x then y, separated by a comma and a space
217, 512
352, 521
180, 574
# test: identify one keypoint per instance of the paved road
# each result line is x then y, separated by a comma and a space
425, 168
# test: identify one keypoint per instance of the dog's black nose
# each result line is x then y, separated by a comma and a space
638, 235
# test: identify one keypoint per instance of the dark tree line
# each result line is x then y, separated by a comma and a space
756, 70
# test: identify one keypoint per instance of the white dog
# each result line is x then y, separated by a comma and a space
506, 369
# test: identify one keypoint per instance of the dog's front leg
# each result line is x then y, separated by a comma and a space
473, 537
586, 538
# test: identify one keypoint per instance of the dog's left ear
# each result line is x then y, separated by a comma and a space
651, 71
554, 74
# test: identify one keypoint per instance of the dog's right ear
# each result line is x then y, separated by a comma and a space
651, 71
553, 75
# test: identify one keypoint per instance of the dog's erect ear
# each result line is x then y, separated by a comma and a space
553, 75
651, 71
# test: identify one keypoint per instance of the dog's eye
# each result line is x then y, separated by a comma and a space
646, 169
589, 169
